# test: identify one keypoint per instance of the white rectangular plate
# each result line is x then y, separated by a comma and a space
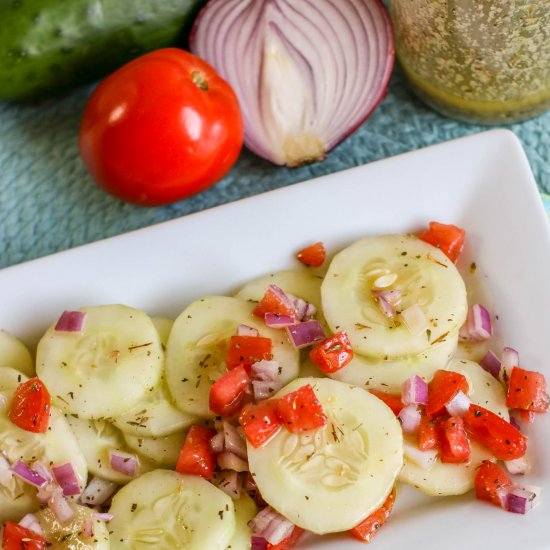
481, 183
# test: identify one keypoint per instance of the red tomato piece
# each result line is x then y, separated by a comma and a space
393, 401
366, 530
289, 542
527, 391
246, 350
260, 422
443, 387
313, 256
274, 301
16, 537
30, 409
494, 433
161, 128
227, 393
427, 434
196, 456
454, 446
448, 238
489, 479
300, 411
333, 353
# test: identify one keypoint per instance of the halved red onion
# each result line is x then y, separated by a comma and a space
245, 330
509, 359
459, 404
234, 443
306, 77
415, 320
125, 463
271, 525
518, 466
305, 333
230, 461
522, 499
423, 459
30, 521
409, 417
98, 491
27, 474
60, 507
478, 325
70, 321
274, 320
229, 482
414, 391
65, 476
217, 442
491, 363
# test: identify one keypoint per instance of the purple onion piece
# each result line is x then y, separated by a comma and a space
65, 476
305, 334
459, 404
414, 391
409, 417
258, 543
125, 463
491, 363
245, 330
98, 491
28, 475
70, 321
274, 320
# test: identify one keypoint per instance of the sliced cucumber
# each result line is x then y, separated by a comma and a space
331, 479
245, 510
456, 479
15, 354
423, 275
107, 368
71, 536
96, 438
197, 347
54, 447
163, 451
11, 378
169, 511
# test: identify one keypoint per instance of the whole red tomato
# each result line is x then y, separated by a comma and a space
161, 128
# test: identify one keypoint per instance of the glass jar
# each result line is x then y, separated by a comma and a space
484, 61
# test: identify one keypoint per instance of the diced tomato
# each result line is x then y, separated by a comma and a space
313, 256
366, 530
227, 393
333, 353
444, 385
393, 401
247, 350
260, 422
426, 434
274, 301
489, 479
16, 537
454, 446
289, 542
301, 411
196, 456
30, 409
448, 238
493, 432
527, 391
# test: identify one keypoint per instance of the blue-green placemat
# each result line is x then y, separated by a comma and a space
48, 203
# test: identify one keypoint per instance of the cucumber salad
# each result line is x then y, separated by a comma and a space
299, 405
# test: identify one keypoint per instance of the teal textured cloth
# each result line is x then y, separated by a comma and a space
48, 202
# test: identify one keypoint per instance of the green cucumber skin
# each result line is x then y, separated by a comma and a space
48, 46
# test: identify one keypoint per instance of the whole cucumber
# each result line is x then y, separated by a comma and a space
47, 46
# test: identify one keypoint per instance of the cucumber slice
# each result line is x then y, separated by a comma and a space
56, 446
13, 353
96, 438
71, 535
10, 378
331, 479
107, 368
195, 356
163, 451
245, 510
456, 479
167, 510
423, 274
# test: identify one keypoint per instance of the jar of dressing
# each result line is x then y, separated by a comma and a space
483, 61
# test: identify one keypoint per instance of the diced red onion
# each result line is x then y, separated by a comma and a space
263, 389
415, 320
230, 461
102, 516
98, 491
271, 526
70, 321
46, 492
518, 466
6, 475
125, 463
65, 476
305, 333
522, 499
285, 300
258, 543
30, 521
88, 528
414, 391
300, 306
305, 77
383, 304
229, 482
41, 469
266, 370
509, 359
392, 297
409, 417
60, 507
28, 475
423, 459
217, 442
274, 320
478, 324
491, 363
310, 312
459, 404
234, 443
514, 422
245, 330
